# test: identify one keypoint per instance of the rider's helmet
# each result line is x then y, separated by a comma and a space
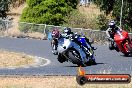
55, 33
67, 30
112, 24
76, 35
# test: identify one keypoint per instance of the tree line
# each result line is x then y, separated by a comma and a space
114, 7
6, 4
51, 12
55, 12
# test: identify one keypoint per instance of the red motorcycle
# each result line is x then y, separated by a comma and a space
123, 42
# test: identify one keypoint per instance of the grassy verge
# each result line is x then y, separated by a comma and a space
84, 17
11, 59
52, 82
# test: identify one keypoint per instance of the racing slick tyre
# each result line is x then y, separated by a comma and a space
61, 58
54, 47
111, 47
117, 49
53, 50
75, 57
126, 54
81, 80
129, 48
91, 62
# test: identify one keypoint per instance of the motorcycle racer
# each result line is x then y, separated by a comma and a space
55, 35
110, 32
75, 36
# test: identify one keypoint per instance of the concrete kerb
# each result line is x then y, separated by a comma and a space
38, 62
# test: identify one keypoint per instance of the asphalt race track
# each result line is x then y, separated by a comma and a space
108, 61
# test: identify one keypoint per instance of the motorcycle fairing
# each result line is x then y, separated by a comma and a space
83, 41
122, 39
85, 44
65, 43
82, 53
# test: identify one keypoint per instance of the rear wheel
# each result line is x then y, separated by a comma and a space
91, 62
126, 54
117, 49
111, 46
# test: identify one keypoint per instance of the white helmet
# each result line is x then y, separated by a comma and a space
112, 24
67, 30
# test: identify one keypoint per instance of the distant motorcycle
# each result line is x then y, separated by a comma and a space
123, 42
54, 40
68, 50
54, 46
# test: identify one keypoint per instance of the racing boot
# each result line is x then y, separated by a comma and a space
93, 48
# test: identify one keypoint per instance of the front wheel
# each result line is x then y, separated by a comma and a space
75, 57
61, 58
54, 47
129, 47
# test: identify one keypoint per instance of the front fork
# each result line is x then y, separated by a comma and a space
91, 55
85, 56
128, 42
125, 46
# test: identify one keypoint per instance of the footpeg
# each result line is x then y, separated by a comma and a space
64, 47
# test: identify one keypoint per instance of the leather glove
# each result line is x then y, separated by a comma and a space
110, 39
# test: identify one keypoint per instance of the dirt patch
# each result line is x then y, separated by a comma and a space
12, 59
52, 82
91, 12
19, 34
37, 35
15, 14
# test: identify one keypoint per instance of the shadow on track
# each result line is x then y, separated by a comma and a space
100, 63
126, 56
86, 66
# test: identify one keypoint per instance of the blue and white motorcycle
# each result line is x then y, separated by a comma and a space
68, 50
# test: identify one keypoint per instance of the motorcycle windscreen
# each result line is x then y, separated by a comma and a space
125, 34
118, 37
63, 44
60, 48
61, 41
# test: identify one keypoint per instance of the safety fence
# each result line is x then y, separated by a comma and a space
24, 27
5, 24
42, 28
98, 36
